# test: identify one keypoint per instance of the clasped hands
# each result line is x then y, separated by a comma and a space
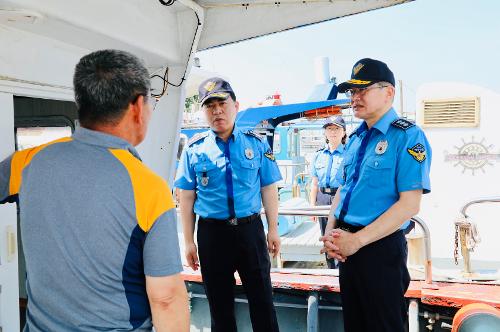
340, 244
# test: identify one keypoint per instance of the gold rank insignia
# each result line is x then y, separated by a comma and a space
417, 152
356, 69
269, 155
358, 82
209, 86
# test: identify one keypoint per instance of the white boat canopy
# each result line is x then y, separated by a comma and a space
233, 21
168, 32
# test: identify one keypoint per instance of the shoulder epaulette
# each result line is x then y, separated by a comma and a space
254, 134
402, 124
353, 133
197, 138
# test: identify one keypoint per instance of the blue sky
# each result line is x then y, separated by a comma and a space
422, 41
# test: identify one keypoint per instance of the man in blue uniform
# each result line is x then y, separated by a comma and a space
224, 175
324, 168
385, 171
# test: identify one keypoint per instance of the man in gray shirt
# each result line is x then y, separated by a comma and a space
98, 227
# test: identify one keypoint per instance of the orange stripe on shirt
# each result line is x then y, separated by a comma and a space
21, 159
151, 192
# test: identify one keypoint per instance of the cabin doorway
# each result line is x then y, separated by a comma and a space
37, 121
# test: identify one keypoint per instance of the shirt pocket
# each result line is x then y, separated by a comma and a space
247, 171
320, 167
208, 170
320, 162
379, 171
347, 170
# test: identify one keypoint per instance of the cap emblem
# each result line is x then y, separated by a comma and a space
357, 68
209, 86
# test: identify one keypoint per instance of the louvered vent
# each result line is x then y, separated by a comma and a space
461, 112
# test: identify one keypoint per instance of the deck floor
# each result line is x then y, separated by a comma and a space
302, 244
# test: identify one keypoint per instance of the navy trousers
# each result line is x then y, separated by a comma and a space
373, 282
224, 249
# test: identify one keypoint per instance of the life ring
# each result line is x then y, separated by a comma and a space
476, 317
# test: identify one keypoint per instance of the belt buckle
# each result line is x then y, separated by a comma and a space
328, 190
233, 221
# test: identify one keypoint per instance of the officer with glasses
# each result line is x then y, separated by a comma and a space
385, 172
225, 175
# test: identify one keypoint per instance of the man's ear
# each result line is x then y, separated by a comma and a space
237, 106
137, 109
391, 92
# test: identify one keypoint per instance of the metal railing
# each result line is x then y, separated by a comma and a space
466, 234
427, 249
324, 210
495, 199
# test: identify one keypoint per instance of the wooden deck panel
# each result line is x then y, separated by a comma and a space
302, 244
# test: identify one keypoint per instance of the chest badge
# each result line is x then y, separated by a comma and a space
249, 153
381, 147
204, 179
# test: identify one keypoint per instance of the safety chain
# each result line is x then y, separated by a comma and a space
472, 237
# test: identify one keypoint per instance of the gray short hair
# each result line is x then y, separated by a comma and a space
385, 83
105, 82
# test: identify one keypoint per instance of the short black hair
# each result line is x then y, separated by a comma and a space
105, 82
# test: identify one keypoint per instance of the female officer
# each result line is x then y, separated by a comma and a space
324, 168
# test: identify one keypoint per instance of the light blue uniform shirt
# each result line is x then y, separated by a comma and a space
327, 163
203, 168
395, 157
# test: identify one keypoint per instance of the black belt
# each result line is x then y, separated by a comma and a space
233, 221
348, 227
330, 191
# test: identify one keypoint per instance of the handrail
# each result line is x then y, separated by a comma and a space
323, 211
495, 199
427, 249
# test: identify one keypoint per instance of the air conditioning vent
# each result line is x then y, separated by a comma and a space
460, 112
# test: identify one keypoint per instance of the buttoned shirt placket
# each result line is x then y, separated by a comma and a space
359, 160
329, 168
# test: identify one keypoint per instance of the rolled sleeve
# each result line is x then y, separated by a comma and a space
185, 177
161, 248
414, 163
314, 171
269, 171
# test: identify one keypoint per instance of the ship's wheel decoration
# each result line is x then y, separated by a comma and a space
473, 155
